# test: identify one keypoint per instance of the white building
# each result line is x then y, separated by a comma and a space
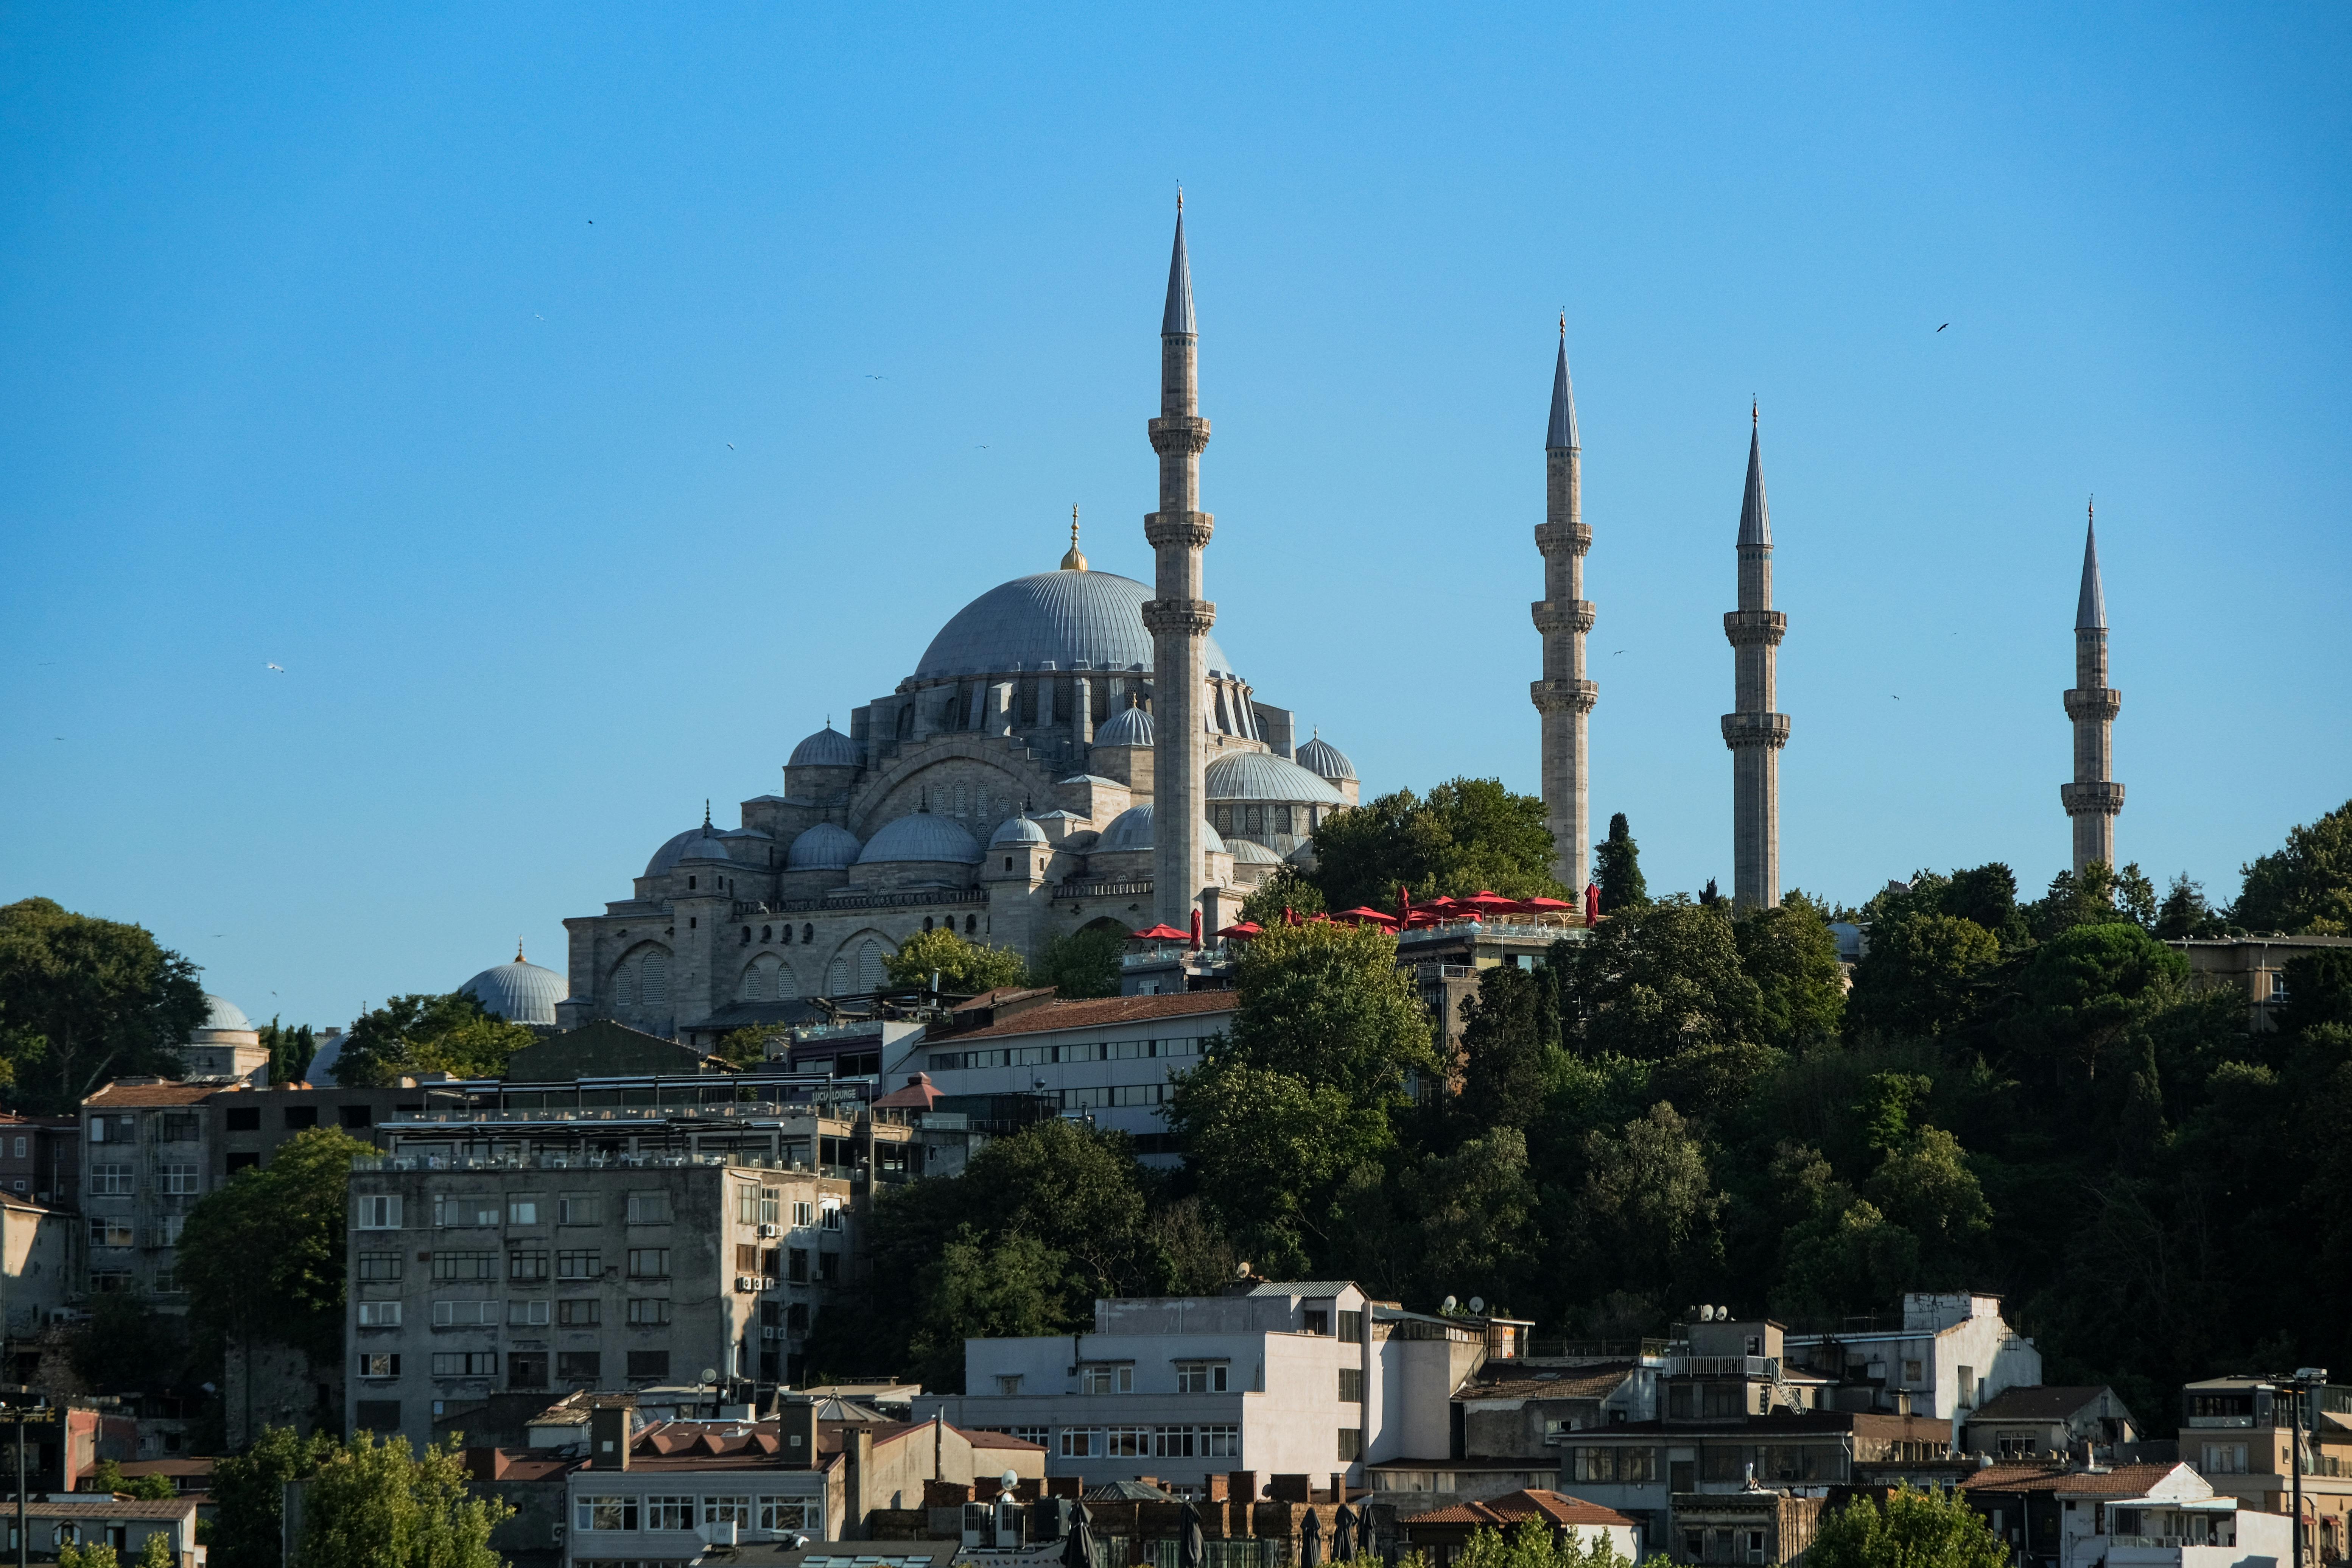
1952, 1351
2160, 1516
1295, 1377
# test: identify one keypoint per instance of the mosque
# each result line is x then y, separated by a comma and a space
1009, 789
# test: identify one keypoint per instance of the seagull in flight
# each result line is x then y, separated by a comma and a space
1614, 655
1945, 324
278, 668
870, 376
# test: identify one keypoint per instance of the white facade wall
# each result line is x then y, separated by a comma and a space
1967, 1354
1117, 1073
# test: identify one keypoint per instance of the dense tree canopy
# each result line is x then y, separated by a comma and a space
83, 1000
1913, 1529
409, 1034
1467, 834
964, 968
2304, 887
262, 1254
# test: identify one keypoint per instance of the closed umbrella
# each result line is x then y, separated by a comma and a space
1079, 1546
1196, 928
1311, 1540
1191, 1549
1591, 903
1343, 1534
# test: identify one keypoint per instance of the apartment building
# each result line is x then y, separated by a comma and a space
536, 1270
2122, 1516
2052, 1419
40, 1159
144, 1165
1944, 1356
40, 1259
2238, 1433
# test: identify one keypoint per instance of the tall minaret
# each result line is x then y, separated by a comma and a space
1755, 733
1564, 697
2093, 798
1177, 616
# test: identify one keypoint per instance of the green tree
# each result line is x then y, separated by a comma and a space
1649, 1208
1927, 1187
1084, 963
94, 1554
1327, 1003
1468, 835
262, 1256
2098, 896
106, 1475
1986, 894
2081, 994
1532, 1543
156, 1552
746, 1047
409, 1034
83, 1000
2185, 913
375, 1504
1007, 1287
1912, 1529
1503, 1070
964, 968
1287, 889
1921, 975
290, 1049
123, 1344
1272, 1150
2304, 887
249, 1492
1657, 981
2318, 991
1617, 868
1791, 954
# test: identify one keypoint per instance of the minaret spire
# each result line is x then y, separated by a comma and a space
1754, 731
1177, 616
2094, 799
1562, 616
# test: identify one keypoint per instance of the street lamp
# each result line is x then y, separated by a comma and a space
23, 1415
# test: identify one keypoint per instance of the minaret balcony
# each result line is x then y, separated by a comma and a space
1188, 618
1575, 538
2099, 702
2105, 798
1554, 615
1748, 629
1185, 530
1564, 696
1743, 732
1184, 433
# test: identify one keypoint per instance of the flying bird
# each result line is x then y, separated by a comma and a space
1897, 698
1614, 655
870, 376
278, 668
1945, 324
730, 445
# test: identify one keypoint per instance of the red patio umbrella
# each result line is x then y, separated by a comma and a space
1486, 902
1543, 906
1196, 928
1161, 932
1243, 929
1366, 913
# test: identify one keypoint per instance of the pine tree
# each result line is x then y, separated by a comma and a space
1618, 867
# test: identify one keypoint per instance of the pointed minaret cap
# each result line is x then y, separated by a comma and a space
1177, 320
1073, 560
1755, 517
2090, 608
1563, 430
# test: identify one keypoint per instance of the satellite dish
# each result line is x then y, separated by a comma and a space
1009, 1479
1446, 1305
1478, 1303
1706, 1314
710, 1375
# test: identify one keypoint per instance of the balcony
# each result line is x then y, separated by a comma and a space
1766, 1367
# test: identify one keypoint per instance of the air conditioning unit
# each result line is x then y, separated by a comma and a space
772, 1333
746, 1283
768, 1232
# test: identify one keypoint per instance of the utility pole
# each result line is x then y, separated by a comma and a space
22, 1415
2306, 1378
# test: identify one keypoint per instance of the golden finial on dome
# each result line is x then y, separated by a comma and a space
517, 950
1074, 560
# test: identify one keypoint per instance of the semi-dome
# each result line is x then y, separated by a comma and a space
1053, 617
520, 993
672, 851
921, 837
223, 1014
1131, 727
705, 845
823, 847
828, 748
1325, 761
1131, 830
1261, 775
1017, 830
1250, 852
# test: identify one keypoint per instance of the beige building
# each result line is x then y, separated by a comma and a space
39, 1265
2254, 964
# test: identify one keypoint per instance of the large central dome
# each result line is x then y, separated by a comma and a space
1056, 617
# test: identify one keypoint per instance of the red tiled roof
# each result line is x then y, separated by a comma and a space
1000, 1440
1103, 1011
916, 1096
1502, 1512
130, 1094
2015, 1478
2123, 1481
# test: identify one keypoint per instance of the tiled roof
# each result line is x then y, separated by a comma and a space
2015, 1478
1102, 1013
107, 1506
1000, 1440
1501, 1512
2049, 1402
1575, 1383
2123, 1481
136, 1094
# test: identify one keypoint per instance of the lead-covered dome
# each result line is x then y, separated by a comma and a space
823, 847
1053, 617
520, 993
1261, 775
704, 846
1017, 830
1131, 727
672, 848
921, 837
1325, 761
1131, 830
828, 748
223, 1014
1249, 852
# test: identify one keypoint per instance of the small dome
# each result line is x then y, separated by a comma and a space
1261, 775
1018, 830
1304, 855
921, 837
1131, 830
828, 748
223, 1014
705, 845
823, 847
1250, 852
1130, 728
1325, 761
672, 851
520, 993
322, 1061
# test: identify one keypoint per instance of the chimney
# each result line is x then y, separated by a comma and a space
861, 1468
608, 1436
797, 1432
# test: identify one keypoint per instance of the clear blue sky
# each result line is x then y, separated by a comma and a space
311, 353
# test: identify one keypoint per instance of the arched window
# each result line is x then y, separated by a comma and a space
653, 981
766, 934
869, 966
788, 985
1282, 819
971, 924
837, 979
808, 935
1256, 820
927, 922
747, 936
689, 884
625, 986
758, 981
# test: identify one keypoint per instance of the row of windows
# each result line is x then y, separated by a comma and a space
790, 1263
677, 1512
1042, 1055
1262, 819
644, 1263
478, 1210
765, 1205
525, 1369
118, 1180
1638, 1464
1112, 1094
579, 1312
1150, 1442
117, 1232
